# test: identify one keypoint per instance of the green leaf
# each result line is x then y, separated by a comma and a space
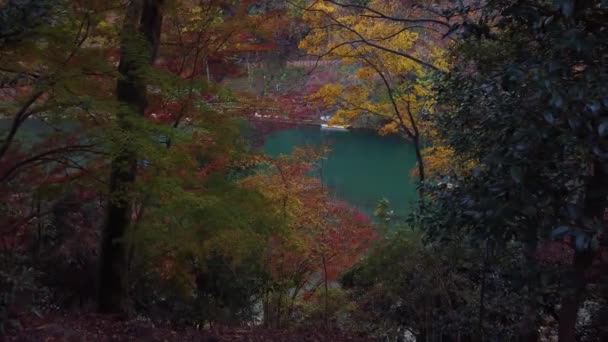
582, 241
594, 107
602, 128
566, 6
557, 100
594, 244
517, 174
559, 232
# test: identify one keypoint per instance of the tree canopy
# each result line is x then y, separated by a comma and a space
133, 184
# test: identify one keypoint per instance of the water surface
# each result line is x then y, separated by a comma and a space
362, 167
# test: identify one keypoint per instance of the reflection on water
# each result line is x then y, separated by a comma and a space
362, 168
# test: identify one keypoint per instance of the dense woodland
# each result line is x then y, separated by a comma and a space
134, 205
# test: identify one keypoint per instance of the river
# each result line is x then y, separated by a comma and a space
362, 167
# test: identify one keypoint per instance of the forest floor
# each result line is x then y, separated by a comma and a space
99, 328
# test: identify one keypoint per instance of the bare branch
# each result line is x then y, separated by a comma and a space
380, 15
368, 42
41, 157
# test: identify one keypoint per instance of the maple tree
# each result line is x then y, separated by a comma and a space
186, 97
71, 82
43, 89
390, 84
127, 181
129, 76
321, 237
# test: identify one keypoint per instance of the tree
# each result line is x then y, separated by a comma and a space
320, 237
379, 51
405, 286
123, 104
170, 103
522, 100
139, 46
47, 60
51, 109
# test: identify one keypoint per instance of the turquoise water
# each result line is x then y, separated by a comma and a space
362, 167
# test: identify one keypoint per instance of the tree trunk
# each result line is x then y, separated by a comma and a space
421, 173
419, 158
143, 23
279, 303
603, 314
596, 202
326, 307
294, 296
528, 328
573, 297
267, 322
484, 270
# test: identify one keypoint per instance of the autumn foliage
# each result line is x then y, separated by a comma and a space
125, 129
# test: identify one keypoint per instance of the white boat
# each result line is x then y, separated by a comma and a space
334, 127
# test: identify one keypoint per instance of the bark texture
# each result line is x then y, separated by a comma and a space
140, 37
